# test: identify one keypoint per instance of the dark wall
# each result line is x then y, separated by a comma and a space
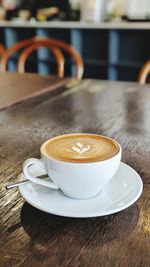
107, 54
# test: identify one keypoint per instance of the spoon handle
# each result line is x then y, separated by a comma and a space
10, 186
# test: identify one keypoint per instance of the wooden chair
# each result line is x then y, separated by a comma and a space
55, 46
2, 50
144, 72
22, 44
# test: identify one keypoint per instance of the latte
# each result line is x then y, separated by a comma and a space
80, 148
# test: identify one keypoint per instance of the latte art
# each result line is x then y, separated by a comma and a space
81, 148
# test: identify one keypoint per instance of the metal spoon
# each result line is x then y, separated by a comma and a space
10, 186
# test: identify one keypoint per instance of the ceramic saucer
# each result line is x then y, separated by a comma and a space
121, 192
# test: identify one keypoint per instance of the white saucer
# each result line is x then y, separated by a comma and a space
123, 190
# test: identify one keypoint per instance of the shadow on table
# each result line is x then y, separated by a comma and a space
44, 228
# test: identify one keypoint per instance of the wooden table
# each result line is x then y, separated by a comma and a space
33, 238
15, 88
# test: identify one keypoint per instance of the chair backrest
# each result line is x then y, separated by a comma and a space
55, 46
2, 50
144, 73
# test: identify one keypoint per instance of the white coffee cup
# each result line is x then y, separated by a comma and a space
75, 179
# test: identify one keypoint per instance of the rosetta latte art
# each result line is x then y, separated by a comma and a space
81, 149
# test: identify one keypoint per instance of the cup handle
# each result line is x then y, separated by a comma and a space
27, 163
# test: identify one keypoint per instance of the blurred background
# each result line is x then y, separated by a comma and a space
112, 36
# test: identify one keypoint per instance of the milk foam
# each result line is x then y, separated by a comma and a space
81, 148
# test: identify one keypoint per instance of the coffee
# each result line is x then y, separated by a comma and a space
77, 164
80, 148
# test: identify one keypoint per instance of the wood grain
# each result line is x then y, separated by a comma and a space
16, 88
30, 237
